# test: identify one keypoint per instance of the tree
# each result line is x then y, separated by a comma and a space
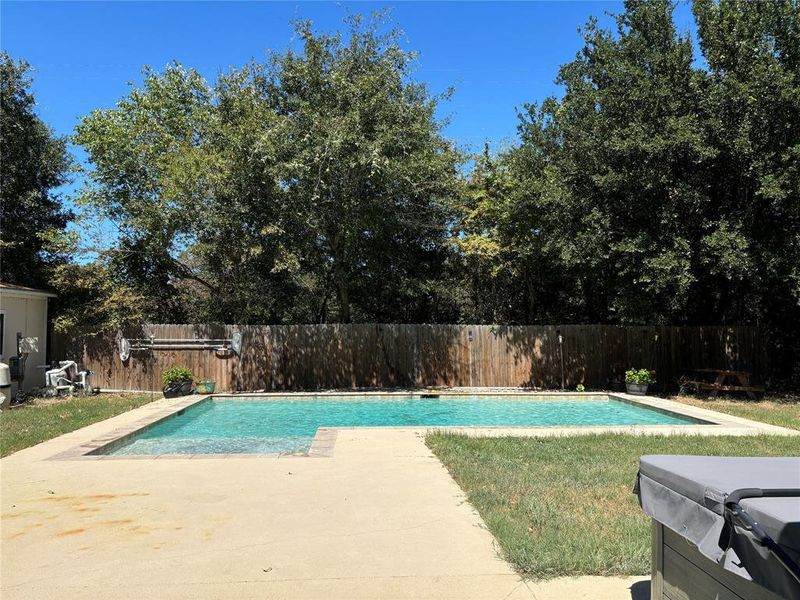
33, 163
506, 271
148, 179
608, 172
312, 186
367, 174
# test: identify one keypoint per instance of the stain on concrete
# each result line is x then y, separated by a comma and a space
17, 515
70, 532
93, 497
138, 529
115, 522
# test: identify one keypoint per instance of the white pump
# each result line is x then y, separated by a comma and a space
66, 378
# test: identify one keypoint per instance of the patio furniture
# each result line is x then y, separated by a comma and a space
721, 380
724, 528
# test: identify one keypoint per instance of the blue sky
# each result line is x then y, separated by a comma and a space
498, 56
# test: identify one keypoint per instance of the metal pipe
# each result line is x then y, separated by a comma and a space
177, 340
180, 347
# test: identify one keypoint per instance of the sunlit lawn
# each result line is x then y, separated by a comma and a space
25, 426
781, 411
564, 506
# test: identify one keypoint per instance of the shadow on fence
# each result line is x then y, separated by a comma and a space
359, 356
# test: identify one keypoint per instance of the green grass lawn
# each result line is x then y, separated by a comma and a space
564, 506
781, 411
45, 419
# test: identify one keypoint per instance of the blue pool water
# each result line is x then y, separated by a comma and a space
288, 425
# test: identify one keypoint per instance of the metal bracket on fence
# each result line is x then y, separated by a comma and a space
127, 346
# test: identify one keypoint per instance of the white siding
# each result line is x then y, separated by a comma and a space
28, 315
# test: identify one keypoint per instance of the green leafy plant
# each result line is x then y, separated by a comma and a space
640, 376
580, 388
176, 375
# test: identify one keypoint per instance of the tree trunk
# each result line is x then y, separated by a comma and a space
344, 301
531, 285
339, 277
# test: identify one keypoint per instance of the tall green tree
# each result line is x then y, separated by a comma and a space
151, 177
625, 148
593, 220
751, 108
33, 162
369, 174
315, 187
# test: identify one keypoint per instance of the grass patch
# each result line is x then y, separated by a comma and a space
564, 506
781, 411
42, 420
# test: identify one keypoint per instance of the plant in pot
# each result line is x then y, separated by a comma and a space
638, 380
205, 386
177, 382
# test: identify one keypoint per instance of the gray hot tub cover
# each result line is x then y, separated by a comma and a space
687, 494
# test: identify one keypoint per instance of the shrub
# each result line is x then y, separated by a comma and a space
176, 375
640, 376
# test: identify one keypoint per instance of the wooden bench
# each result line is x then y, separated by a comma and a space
726, 381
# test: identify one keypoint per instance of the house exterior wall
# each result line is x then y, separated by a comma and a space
25, 313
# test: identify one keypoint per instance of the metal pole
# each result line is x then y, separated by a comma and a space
561, 355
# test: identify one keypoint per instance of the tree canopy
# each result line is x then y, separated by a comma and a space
313, 187
33, 162
654, 190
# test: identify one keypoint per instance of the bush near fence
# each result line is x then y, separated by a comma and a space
359, 356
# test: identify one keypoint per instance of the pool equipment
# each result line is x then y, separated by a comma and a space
5, 385
66, 378
127, 346
16, 364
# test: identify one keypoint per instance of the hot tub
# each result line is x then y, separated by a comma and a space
710, 518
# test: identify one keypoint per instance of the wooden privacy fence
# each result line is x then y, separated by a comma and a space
310, 357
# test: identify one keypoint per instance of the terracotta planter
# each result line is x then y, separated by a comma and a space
637, 389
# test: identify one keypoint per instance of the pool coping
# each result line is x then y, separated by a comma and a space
324, 442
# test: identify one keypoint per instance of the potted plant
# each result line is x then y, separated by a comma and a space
638, 380
205, 386
177, 382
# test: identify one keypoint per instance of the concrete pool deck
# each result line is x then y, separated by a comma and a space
379, 518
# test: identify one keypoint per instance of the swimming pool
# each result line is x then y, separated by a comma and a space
287, 425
